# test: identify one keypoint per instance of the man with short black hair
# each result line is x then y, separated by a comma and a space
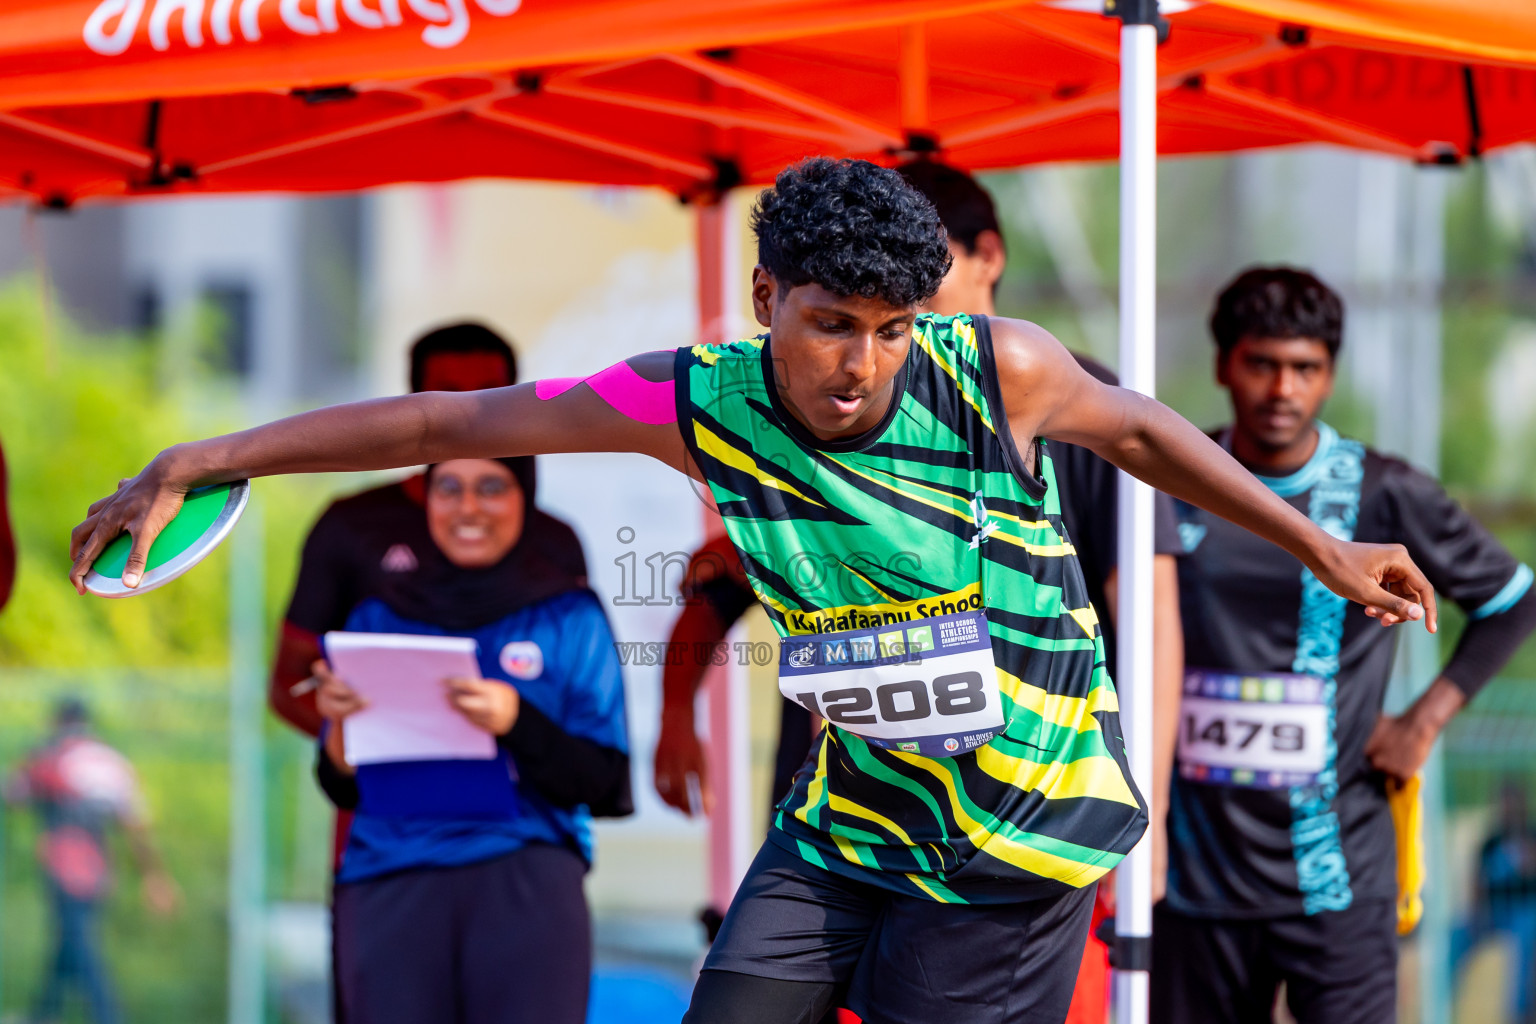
373, 541
972, 784
1282, 855
465, 356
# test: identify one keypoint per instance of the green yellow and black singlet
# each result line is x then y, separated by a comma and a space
932, 514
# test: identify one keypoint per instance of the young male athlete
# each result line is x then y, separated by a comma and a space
719, 592
973, 783
1282, 858
377, 541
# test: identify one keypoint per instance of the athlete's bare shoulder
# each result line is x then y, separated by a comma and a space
628, 406
1035, 373
656, 367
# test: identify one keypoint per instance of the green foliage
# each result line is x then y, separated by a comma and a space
76, 413
1486, 287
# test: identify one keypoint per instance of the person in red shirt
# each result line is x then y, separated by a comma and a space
81, 788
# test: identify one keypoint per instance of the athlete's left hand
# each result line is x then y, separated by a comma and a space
487, 704
1383, 578
1400, 744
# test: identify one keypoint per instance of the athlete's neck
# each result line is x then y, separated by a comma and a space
1271, 460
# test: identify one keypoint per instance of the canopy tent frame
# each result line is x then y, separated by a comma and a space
504, 98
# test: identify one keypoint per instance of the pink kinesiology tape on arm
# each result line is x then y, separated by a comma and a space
644, 401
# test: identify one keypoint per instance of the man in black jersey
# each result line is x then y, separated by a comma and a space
1282, 852
376, 540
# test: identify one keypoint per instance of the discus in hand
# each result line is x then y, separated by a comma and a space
206, 517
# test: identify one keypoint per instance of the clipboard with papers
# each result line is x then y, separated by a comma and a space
408, 717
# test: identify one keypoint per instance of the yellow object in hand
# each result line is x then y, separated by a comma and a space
1407, 806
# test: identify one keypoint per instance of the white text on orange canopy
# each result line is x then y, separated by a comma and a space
111, 27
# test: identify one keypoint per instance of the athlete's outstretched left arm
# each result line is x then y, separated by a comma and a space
386, 433
1047, 394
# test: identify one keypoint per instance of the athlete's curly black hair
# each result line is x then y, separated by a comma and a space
852, 227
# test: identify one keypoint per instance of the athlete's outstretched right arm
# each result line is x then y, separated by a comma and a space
385, 433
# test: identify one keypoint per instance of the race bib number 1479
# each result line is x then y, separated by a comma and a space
1268, 731
927, 686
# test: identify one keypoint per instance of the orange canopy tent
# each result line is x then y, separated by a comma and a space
117, 97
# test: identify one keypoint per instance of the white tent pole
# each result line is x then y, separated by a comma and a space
1138, 279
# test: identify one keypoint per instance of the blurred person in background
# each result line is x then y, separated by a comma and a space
80, 788
375, 539
1283, 863
1504, 900
717, 594
7, 542
459, 894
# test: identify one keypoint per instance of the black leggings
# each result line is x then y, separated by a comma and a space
725, 997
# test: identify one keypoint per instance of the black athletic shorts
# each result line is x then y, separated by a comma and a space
1339, 967
887, 957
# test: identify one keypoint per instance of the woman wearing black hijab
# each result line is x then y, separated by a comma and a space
459, 896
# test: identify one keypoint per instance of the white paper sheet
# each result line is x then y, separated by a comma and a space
408, 717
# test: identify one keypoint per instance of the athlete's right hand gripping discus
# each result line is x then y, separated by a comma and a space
206, 517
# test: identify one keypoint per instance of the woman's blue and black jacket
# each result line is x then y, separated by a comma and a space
565, 759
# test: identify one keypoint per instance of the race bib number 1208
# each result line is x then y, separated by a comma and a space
927, 686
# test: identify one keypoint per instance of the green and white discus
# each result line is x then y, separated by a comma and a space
206, 517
